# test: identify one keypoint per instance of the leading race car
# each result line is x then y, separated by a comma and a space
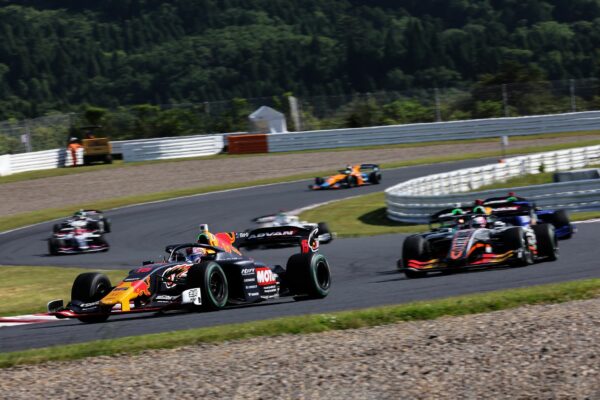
351, 176
208, 275
92, 220
459, 241
73, 240
519, 211
284, 219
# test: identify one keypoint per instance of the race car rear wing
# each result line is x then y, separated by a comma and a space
307, 238
374, 167
510, 208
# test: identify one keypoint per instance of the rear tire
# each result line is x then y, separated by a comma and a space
106, 225
52, 247
374, 178
324, 229
561, 219
546, 241
308, 275
415, 248
90, 287
351, 181
210, 278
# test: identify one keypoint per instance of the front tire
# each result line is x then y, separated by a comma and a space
415, 248
515, 239
546, 241
90, 287
52, 247
374, 178
210, 278
308, 275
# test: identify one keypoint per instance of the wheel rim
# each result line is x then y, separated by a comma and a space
322, 275
217, 286
101, 290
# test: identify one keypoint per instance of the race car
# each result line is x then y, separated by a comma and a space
519, 211
284, 219
207, 275
73, 240
458, 241
351, 176
93, 220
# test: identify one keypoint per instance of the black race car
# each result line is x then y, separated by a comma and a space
460, 240
208, 275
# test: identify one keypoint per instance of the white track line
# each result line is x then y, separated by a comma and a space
26, 319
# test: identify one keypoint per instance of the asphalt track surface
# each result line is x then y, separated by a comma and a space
363, 269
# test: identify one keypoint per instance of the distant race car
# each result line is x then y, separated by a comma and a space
92, 220
519, 211
71, 240
208, 275
351, 176
284, 219
458, 241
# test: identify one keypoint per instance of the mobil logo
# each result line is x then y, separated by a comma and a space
264, 276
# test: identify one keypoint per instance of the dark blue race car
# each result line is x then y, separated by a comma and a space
519, 211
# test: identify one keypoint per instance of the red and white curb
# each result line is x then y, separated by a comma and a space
26, 319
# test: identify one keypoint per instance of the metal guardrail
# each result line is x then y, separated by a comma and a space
164, 149
433, 131
39, 160
415, 200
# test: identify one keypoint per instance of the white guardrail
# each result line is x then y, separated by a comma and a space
167, 148
47, 159
201, 145
432, 131
415, 200
132, 150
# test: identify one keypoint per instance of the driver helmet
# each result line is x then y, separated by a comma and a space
479, 222
348, 168
511, 196
194, 254
79, 215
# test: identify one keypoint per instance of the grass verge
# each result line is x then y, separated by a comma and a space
24, 219
26, 290
423, 310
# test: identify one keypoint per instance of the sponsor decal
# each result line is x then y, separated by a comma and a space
251, 287
88, 305
253, 294
117, 289
143, 269
460, 242
164, 297
247, 271
171, 275
191, 296
264, 276
249, 280
271, 234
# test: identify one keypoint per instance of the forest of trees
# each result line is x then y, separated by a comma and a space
65, 55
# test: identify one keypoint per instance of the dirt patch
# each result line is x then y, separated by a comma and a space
39, 194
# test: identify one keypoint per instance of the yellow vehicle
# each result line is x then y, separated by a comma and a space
95, 149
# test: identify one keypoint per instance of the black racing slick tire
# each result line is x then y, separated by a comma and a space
351, 181
515, 239
90, 287
319, 181
52, 247
308, 275
212, 281
374, 178
546, 241
106, 225
415, 248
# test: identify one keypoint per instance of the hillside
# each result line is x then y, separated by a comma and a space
58, 54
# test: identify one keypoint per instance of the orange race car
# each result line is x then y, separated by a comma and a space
351, 176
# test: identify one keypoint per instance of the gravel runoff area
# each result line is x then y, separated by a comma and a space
534, 352
39, 194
